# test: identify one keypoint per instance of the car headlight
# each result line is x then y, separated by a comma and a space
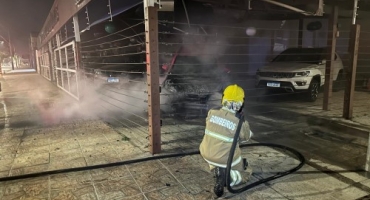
306, 73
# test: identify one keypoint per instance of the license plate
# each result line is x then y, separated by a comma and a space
113, 80
270, 84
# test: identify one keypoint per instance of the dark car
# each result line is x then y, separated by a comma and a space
189, 83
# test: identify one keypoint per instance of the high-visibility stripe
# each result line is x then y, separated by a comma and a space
237, 161
224, 108
219, 136
233, 177
239, 179
236, 177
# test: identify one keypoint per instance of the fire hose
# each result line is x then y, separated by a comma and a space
231, 155
276, 176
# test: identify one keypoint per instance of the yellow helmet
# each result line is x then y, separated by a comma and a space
233, 93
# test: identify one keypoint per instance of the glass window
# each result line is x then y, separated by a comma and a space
301, 55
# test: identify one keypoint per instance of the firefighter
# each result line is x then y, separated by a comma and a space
221, 125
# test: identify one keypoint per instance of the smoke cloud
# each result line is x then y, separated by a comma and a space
98, 99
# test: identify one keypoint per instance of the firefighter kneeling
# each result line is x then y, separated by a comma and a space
221, 126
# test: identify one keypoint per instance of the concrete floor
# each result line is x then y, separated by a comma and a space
44, 129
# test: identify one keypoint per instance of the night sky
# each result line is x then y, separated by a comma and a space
21, 17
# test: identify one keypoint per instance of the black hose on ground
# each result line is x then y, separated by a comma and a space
69, 170
232, 190
276, 176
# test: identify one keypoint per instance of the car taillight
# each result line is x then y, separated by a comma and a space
165, 67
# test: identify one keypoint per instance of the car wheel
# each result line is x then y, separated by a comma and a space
313, 90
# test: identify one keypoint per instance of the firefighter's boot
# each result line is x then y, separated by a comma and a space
220, 174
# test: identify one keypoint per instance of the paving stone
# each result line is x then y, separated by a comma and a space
6, 164
36, 188
33, 148
259, 193
2, 188
37, 138
31, 159
61, 136
64, 145
120, 195
127, 151
4, 173
349, 193
91, 140
124, 186
8, 133
29, 170
10, 143
73, 162
112, 135
100, 154
186, 170
85, 192
72, 180
145, 167
354, 176
75, 143
205, 195
198, 185
170, 192
308, 185
155, 180
110, 173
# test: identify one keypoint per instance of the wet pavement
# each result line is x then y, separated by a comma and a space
40, 134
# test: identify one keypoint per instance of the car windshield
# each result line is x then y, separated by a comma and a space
301, 55
189, 65
6, 60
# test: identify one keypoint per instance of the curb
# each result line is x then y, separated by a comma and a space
352, 129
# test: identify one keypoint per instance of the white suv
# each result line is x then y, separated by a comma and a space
298, 70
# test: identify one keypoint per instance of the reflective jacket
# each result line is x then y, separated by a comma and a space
220, 129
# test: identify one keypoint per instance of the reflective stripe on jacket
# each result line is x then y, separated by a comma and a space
220, 129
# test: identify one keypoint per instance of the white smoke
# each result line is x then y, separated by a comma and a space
127, 99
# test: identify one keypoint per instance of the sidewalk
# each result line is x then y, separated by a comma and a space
39, 135
361, 108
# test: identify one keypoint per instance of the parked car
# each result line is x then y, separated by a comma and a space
6, 65
188, 81
194, 83
298, 70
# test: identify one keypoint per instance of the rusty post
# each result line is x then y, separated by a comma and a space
331, 45
151, 37
351, 73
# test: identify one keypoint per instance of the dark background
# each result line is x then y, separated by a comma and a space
20, 18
